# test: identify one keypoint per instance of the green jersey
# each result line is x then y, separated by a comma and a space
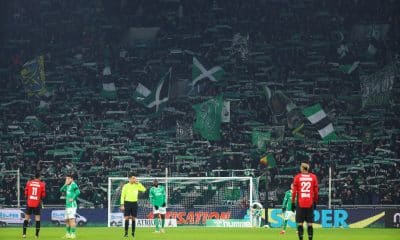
287, 200
71, 192
157, 196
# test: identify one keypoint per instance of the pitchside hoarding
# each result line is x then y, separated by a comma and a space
325, 218
337, 218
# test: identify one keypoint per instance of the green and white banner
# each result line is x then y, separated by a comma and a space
317, 116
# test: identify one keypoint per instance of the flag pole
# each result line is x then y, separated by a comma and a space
330, 178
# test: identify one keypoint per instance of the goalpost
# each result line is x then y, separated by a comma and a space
191, 201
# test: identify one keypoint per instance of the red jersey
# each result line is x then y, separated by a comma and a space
305, 186
35, 191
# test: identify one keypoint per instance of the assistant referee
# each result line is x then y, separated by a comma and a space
129, 205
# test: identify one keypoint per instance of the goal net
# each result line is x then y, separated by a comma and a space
191, 201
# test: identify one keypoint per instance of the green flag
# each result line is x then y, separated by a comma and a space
208, 118
157, 98
260, 138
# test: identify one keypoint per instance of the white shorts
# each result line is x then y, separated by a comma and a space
288, 215
70, 213
161, 210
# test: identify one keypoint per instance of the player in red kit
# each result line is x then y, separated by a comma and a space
305, 187
35, 191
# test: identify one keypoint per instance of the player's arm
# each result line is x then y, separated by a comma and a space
26, 190
141, 188
164, 197
77, 192
122, 200
295, 187
151, 197
43, 193
284, 203
63, 188
315, 191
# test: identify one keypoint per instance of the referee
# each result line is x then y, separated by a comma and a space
129, 205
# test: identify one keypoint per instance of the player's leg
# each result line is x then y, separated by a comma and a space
69, 216
67, 226
310, 220
134, 215
162, 223
26, 221
126, 226
163, 211
156, 213
37, 221
285, 221
127, 216
72, 225
300, 217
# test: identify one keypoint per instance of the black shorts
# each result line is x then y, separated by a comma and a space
304, 214
33, 210
130, 209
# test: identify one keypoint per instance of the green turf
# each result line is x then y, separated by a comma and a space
186, 233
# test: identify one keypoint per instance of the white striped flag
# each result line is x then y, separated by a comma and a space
317, 116
199, 72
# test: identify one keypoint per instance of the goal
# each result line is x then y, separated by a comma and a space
198, 201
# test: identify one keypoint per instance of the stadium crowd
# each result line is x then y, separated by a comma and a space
296, 50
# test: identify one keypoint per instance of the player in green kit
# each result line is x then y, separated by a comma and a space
72, 192
287, 208
157, 199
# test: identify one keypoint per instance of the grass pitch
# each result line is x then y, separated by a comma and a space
202, 233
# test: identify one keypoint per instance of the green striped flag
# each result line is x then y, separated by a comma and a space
317, 116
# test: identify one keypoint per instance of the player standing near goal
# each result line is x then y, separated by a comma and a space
35, 191
287, 208
157, 199
72, 192
305, 188
129, 205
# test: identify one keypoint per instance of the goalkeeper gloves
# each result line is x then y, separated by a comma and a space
283, 210
163, 205
293, 207
156, 207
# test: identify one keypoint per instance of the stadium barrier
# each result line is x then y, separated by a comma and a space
349, 217
346, 217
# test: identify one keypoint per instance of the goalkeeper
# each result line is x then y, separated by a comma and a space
157, 199
287, 208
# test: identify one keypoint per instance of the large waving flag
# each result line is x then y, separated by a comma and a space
199, 72
317, 116
156, 98
208, 118
33, 76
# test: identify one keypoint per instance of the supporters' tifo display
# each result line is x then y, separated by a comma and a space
164, 114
